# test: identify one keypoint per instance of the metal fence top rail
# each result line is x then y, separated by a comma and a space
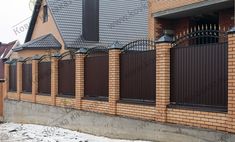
200, 36
70, 53
44, 57
27, 60
139, 45
97, 50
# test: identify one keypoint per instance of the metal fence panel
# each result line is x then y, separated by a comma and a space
96, 75
138, 75
199, 75
12, 78
67, 78
44, 78
27, 77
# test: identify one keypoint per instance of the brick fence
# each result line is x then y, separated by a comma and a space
160, 112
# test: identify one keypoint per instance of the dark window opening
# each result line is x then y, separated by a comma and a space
205, 28
45, 13
90, 20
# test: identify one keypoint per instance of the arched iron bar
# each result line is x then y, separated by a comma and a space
42, 58
97, 49
26, 60
215, 35
139, 45
68, 53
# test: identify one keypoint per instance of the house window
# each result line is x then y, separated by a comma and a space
45, 13
90, 20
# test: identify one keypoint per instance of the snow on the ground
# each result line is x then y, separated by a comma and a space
11, 132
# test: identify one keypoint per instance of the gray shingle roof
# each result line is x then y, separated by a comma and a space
43, 42
120, 20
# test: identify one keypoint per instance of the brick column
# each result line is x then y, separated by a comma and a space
163, 46
114, 77
54, 78
79, 64
231, 81
6, 77
19, 78
35, 77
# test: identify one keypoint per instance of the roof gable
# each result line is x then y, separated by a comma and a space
67, 15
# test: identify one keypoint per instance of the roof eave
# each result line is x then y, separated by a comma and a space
33, 20
199, 7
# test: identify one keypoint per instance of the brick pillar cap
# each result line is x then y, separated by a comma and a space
165, 39
56, 55
36, 57
231, 31
21, 59
115, 45
8, 62
82, 51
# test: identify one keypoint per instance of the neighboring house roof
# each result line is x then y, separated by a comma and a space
5, 53
43, 42
133, 16
5, 49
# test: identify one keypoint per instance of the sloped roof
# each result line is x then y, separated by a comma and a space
67, 15
43, 42
64, 12
5, 49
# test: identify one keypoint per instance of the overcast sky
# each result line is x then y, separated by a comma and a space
15, 17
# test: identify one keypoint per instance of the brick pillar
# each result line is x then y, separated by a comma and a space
34, 77
6, 77
54, 78
19, 79
80, 56
114, 79
231, 81
163, 46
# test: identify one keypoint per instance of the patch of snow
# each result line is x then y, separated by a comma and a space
12, 132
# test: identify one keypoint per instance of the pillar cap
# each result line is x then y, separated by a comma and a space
115, 45
21, 59
232, 30
36, 57
82, 51
56, 55
165, 39
8, 62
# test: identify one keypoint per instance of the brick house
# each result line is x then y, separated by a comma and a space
181, 15
184, 30
59, 26
140, 80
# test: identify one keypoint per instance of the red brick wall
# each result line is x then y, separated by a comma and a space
226, 18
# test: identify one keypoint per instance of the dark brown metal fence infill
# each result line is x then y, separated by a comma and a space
138, 71
27, 77
66, 76
96, 73
12, 77
199, 73
44, 78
